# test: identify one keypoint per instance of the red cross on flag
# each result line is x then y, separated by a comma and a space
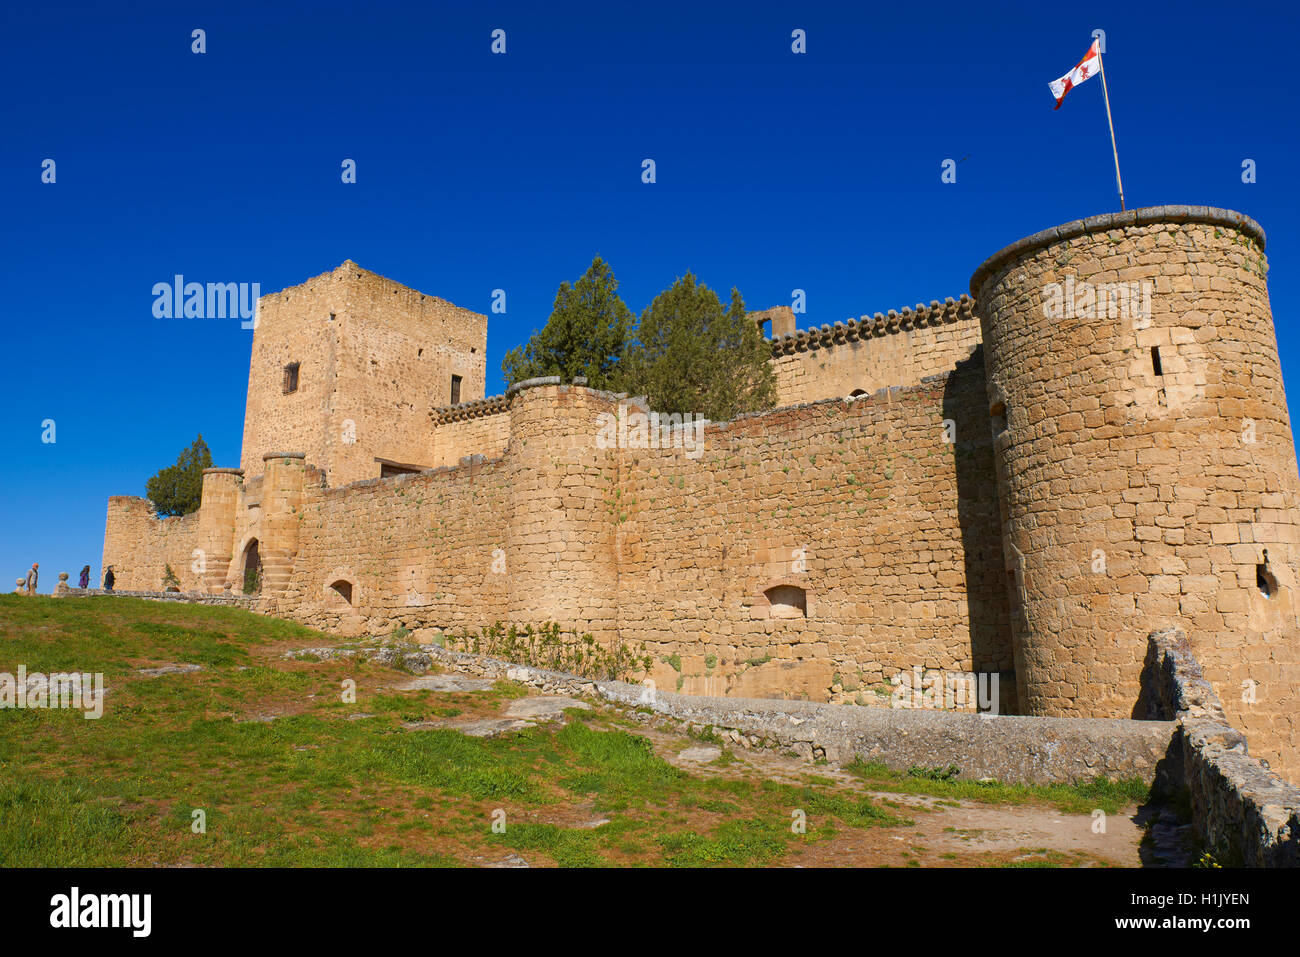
1089, 65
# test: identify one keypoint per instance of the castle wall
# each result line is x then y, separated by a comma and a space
472, 428
1146, 466
891, 532
374, 357
139, 545
874, 352
1033, 507
419, 551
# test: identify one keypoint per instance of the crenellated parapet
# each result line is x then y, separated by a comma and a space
871, 327
477, 409
862, 356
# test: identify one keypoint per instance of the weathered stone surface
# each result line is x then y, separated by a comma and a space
1244, 812
169, 670
544, 708
702, 754
444, 683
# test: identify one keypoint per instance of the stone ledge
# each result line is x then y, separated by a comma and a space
533, 384
193, 598
1010, 748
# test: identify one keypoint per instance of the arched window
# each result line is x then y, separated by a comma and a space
252, 569
998, 414
341, 590
787, 601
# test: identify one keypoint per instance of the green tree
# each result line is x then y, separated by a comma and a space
692, 355
586, 335
178, 489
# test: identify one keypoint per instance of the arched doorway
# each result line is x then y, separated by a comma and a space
252, 569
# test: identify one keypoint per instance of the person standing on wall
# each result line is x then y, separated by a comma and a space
31, 578
109, 578
84, 581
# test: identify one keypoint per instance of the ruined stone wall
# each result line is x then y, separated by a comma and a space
1244, 812
873, 352
890, 532
139, 545
1008, 748
1146, 465
374, 357
471, 428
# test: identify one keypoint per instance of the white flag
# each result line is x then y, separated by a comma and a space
1090, 64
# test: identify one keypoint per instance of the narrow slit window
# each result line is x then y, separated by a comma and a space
455, 390
291, 378
1265, 580
998, 415
1155, 361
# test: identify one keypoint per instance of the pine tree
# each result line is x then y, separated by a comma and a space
586, 335
178, 489
693, 356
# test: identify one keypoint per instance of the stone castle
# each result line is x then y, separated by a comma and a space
1025, 482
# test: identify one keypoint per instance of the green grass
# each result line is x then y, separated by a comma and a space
314, 788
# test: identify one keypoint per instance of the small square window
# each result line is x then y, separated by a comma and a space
455, 390
291, 378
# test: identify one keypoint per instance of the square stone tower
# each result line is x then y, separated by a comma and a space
345, 368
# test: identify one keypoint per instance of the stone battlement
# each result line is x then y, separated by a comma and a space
492, 405
881, 324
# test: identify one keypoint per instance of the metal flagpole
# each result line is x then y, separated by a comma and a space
1105, 93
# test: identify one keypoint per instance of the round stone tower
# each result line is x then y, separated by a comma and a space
1146, 468
560, 543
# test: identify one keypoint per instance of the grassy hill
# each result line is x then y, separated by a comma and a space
286, 772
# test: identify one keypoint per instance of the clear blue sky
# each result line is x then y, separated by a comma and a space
775, 171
